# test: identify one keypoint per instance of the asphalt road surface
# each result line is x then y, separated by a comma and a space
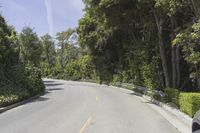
75, 107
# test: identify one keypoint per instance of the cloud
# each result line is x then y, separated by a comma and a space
48, 5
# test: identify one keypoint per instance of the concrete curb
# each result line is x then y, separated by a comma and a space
178, 119
184, 117
3, 109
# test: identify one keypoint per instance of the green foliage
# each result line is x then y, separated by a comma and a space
130, 41
33, 79
172, 95
189, 40
150, 75
189, 103
30, 47
17, 82
79, 69
48, 57
157, 96
11, 95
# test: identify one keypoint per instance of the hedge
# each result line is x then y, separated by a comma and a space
189, 103
172, 96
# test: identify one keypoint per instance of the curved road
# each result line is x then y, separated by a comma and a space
75, 107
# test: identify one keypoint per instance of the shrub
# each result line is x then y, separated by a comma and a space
189, 103
157, 96
10, 95
149, 74
34, 80
172, 95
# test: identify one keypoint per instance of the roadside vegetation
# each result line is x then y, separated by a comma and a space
18, 80
149, 43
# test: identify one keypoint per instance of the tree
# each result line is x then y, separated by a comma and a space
30, 47
189, 40
64, 44
49, 52
120, 36
9, 54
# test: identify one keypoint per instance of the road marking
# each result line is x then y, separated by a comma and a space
97, 98
87, 123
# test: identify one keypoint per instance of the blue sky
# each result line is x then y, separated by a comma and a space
46, 16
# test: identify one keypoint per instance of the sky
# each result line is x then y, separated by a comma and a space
45, 16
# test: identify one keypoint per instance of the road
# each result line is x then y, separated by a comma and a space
75, 107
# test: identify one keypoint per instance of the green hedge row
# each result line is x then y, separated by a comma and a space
188, 103
172, 96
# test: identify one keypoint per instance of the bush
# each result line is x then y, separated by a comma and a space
10, 95
16, 91
157, 96
189, 103
172, 95
34, 80
150, 75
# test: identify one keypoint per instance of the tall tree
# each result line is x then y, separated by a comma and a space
30, 47
63, 43
49, 50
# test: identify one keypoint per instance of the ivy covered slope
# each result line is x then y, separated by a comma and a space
17, 81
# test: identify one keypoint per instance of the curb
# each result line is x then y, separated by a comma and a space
182, 116
3, 109
184, 123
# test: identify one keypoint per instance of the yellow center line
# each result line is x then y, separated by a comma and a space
87, 123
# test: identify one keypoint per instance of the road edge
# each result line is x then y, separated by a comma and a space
184, 122
4, 109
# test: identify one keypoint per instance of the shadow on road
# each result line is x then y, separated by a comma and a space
50, 84
136, 94
55, 89
48, 81
40, 99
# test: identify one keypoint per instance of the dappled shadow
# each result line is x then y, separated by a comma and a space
54, 84
54, 89
35, 100
136, 94
48, 81
40, 99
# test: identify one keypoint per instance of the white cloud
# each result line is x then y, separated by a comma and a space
48, 5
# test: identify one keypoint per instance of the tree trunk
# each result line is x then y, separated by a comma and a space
175, 59
163, 56
159, 23
174, 71
62, 58
178, 66
47, 56
173, 52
